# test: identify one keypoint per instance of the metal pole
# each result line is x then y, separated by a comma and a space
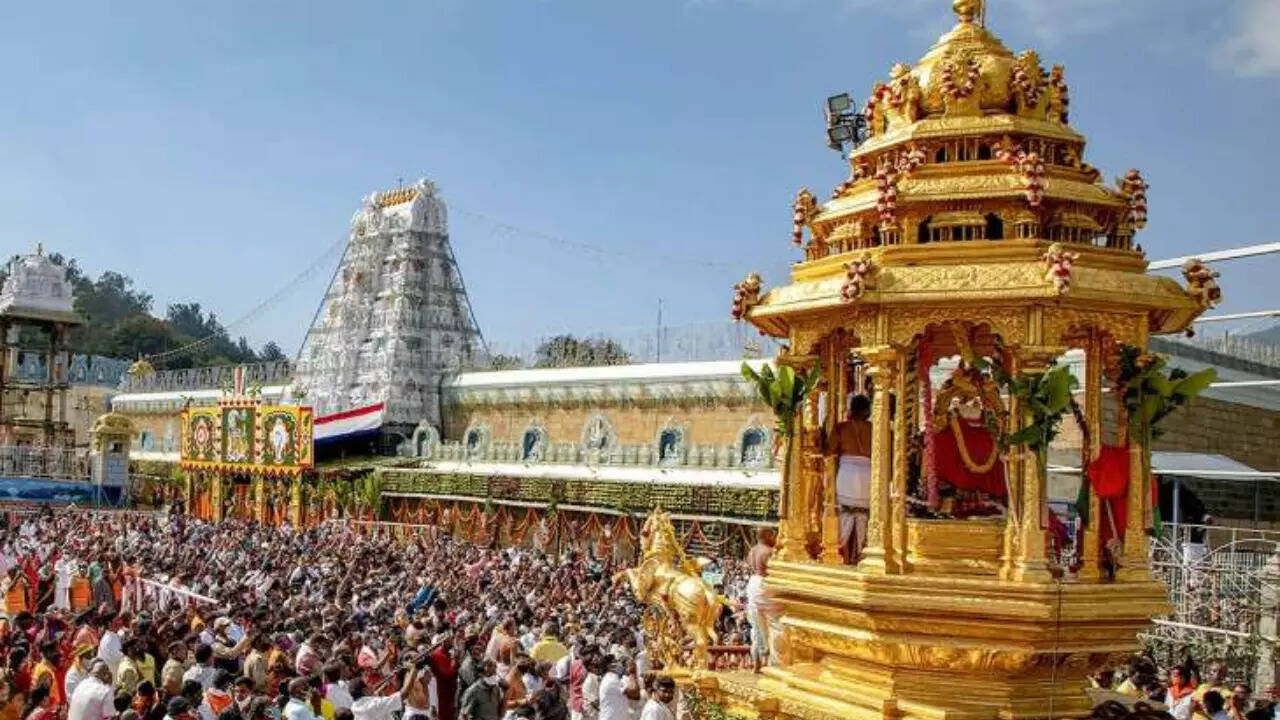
658, 335
1177, 504
1231, 254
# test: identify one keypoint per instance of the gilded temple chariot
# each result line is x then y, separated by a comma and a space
970, 248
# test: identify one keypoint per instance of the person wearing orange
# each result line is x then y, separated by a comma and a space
14, 587
1179, 694
49, 673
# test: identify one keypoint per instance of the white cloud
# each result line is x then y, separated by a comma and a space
1252, 49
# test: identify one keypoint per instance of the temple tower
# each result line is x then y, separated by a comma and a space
970, 230
395, 316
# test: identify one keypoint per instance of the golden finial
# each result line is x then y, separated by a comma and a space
967, 10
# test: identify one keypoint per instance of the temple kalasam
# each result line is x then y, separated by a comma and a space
971, 227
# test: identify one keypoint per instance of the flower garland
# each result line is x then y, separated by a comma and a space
1134, 188
965, 457
858, 278
746, 295
1057, 262
801, 210
886, 192
965, 88
1030, 89
1029, 165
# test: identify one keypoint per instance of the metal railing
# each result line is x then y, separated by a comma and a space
21, 461
1224, 584
209, 378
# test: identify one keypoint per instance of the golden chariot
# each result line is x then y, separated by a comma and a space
970, 230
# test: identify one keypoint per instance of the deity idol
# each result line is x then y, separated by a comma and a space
965, 454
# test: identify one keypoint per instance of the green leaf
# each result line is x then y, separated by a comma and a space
1194, 384
1059, 382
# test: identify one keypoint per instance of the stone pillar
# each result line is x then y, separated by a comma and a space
878, 555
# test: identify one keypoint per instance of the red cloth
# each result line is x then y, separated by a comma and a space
951, 468
1109, 480
1109, 474
446, 674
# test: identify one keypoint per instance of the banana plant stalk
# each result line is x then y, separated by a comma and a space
1151, 393
784, 392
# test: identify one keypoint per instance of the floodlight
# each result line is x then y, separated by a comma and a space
839, 104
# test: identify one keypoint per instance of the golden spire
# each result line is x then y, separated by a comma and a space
968, 11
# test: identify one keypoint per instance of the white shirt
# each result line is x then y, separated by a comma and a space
591, 697
371, 707
296, 709
655, 710
92, 700
73, 679
613, 703
202, 674
337, 695
111, 650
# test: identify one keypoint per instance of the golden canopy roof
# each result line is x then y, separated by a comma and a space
969, 161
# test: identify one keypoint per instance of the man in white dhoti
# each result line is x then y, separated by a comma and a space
757, 605
62, 571
851, 442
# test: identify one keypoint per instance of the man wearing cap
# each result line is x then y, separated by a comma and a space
171, 673
93, 699
78, 670
226, 652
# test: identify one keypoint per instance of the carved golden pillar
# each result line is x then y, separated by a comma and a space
215, 497
904, 384
1031, 564
828, 464
791, 503
878, 555
1134, 566
188, 492
1090, 551
259, 502
295, 502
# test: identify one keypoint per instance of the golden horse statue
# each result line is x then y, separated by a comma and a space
671, 583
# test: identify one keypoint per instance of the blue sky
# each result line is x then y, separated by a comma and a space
215, 150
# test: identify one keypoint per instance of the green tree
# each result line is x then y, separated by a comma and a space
271, 352
139, 335
505, 362
570, 351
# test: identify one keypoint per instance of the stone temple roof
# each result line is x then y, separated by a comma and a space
37, 289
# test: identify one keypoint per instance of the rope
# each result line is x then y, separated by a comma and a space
275, 297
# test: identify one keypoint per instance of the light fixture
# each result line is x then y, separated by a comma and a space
845, 125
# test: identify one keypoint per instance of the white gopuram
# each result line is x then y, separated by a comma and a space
394, 319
